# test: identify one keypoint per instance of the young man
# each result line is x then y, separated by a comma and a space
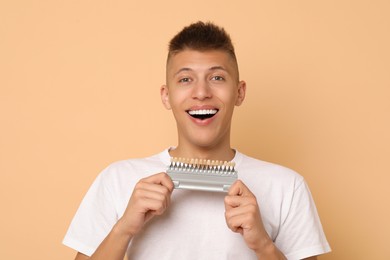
132, 207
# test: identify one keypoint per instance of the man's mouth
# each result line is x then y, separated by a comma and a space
202, 114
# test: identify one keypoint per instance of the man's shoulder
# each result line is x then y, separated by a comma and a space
142, 166
267, 169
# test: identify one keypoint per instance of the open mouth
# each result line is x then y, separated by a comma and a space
202, 114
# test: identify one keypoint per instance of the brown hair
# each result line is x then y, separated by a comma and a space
202, 36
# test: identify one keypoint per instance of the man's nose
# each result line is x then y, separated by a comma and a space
202, 90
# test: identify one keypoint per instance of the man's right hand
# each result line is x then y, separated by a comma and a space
151, 196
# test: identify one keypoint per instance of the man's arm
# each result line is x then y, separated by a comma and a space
243, 216
81, 256
151, 197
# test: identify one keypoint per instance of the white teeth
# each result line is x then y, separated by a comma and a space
203, 112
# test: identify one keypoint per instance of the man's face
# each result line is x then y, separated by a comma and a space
202, 90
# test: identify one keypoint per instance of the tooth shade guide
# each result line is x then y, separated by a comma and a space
202, 165
202, 174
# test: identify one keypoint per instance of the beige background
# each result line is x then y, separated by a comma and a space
79, 89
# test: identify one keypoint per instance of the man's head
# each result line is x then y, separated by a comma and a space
202, 36
202, 88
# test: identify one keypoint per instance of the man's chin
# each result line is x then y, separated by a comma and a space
206, 143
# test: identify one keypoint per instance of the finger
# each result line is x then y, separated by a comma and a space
156, 206
239, 188
147, 200
234, 222
235, 201
232, 202
160, 178
152, 191
242, 217
153, 187
250, 210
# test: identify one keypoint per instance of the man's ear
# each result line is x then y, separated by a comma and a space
241, 92
165, 96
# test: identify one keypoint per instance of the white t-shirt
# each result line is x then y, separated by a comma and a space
194, 225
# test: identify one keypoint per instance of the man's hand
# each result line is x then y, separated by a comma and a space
243, 216
151, 196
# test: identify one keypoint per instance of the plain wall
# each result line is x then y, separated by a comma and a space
79, 89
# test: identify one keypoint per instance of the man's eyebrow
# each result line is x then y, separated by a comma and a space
210, 69
218, 68
182, 69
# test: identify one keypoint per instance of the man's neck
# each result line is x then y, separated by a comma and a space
221, 154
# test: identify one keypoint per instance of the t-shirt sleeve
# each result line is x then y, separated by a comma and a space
301, 234
93, 220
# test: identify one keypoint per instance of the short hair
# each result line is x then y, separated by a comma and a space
202, 36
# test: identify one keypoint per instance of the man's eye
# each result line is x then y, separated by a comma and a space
184, 80
218, 78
